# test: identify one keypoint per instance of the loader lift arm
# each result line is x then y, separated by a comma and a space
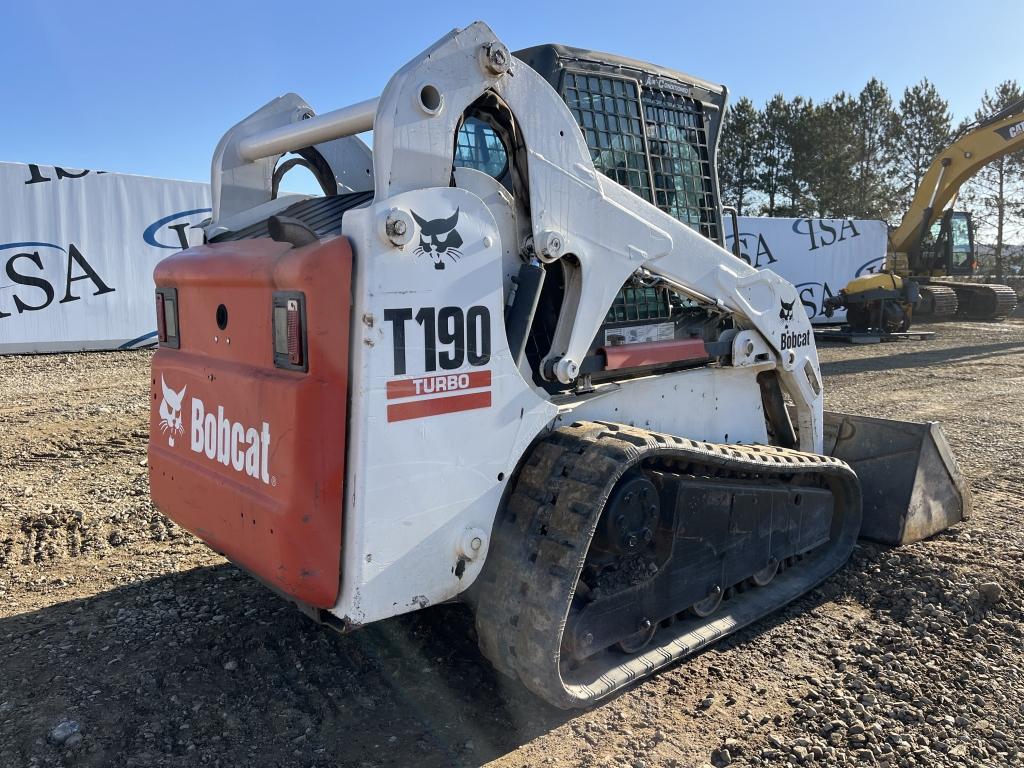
575, 210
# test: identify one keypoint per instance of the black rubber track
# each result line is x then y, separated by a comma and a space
983, 301
540, 543
938, 302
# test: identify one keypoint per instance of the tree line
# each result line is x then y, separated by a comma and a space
863, 156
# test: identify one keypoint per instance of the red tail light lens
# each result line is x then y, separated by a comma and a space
161, 321
294, 333
289, 322
167, 317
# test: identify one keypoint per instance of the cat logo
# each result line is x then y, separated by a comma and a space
1010, 132
170, 411
439, 239
786, 310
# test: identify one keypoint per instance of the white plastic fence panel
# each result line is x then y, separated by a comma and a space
77, 251
819, 256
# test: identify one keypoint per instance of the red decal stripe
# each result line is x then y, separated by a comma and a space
417, 409
653, 352
407, 387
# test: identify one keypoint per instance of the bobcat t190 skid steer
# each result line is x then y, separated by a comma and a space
506, 357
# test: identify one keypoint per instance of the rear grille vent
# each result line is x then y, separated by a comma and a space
323, 215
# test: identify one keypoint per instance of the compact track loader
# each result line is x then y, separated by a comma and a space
506, 358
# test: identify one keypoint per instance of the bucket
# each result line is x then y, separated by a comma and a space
910, 482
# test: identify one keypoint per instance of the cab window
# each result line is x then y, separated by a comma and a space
478, 146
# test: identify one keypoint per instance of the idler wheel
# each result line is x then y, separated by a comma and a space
764, 577
709, 604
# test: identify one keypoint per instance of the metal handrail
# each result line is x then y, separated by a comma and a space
347, 121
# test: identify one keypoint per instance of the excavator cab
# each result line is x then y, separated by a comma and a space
962, 260
948, 247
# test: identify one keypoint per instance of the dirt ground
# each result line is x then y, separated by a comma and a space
125, 642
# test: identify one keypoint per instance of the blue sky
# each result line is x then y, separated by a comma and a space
148, 88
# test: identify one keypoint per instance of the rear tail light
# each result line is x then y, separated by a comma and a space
167, 317
294, 333
290, 351
161, 322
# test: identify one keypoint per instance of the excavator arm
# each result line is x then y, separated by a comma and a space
983, 143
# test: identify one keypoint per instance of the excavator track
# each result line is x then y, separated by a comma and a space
526, 597
983, 301
937, 302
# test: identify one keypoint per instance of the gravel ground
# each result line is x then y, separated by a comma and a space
123, 641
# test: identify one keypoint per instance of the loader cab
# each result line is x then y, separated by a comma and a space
653, 130
948, 248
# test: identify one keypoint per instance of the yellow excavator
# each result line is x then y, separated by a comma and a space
933, 242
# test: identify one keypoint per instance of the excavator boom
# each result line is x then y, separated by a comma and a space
869, 311
987, 141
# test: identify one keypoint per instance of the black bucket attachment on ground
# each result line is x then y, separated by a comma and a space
910, 482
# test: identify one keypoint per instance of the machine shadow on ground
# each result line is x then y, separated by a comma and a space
918, 359
208, 663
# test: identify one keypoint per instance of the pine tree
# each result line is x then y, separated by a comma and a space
926, 127
876, 134
736, 156
773, 153
995, 195
801, 137
826, 159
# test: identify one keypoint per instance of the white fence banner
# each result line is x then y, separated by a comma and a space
77, 251
818, 256
78, 247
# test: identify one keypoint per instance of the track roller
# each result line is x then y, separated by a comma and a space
764, 577
709, 604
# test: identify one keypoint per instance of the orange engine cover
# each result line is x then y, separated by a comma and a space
248, 456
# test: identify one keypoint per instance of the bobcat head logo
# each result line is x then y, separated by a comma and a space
439, 239
786, 312
170, 411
